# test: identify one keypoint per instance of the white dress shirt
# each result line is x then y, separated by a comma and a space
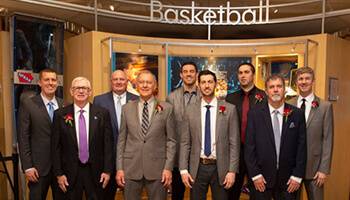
308, 103
213, 110
122, 100
86, 114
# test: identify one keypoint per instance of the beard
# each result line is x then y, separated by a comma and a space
276, 97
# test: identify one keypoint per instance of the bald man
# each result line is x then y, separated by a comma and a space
113, 102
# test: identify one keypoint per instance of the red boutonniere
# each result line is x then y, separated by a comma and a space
159, 108
68, 119
287, 112
314, 104
258, 98
222, 109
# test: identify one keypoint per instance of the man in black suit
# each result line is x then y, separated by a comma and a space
113, 102
82, 145
275, 146
244, 99
34, 136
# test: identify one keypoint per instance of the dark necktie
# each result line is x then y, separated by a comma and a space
207, 138
145, 119
245, 109
302, 107
83, 141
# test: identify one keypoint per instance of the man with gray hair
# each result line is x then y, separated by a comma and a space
82, 145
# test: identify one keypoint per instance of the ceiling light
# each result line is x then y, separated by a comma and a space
139, 50
111, 7
275, 11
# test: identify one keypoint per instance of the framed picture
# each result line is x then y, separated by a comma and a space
333, 89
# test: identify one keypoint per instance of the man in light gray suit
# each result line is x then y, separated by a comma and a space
210, 143
187, 94
146, 144
319, 124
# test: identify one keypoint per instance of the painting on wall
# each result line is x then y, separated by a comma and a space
132, 64
224, 67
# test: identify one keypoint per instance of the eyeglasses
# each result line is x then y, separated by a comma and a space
84, 89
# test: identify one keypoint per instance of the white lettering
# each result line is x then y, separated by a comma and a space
185, 16
195, 16
171, 20
253, 13
160, 6
208, 16
229, 12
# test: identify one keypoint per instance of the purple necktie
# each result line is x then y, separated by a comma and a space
83, 142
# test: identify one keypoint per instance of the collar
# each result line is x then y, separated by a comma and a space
308, 99
149, 101
86, 108
242, 92
46, 101
213, 102
121, 96
194, 91
280, 109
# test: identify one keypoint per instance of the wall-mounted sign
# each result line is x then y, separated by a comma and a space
222, 15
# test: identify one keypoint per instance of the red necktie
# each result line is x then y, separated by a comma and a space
245, 109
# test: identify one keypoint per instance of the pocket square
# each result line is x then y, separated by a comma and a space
291, 125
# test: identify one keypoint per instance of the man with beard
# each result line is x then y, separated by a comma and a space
209, 148
244, 99
275, 146
180, 98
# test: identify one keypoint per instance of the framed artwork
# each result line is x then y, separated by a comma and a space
333, 89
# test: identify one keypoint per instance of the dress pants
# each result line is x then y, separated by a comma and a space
208, 175
38, 190
155, 190
313, 192
178, 188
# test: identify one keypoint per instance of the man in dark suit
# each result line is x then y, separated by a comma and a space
209, 149
146, 143
180, 98
275, 146
82, 145
113, 102
34, 136
319, 124
244, 99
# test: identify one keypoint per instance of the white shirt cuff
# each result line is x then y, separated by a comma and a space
29, 169
257, 176
185, 171
297, 179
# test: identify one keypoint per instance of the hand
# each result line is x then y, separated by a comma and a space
229, 180
32, 175
292, 185
187, 180
104, 179
260, 184
120, 178
166, 178
62, 183
320, 178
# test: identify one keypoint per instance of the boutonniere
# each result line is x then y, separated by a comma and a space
159, 108
68, 119
314, 104
287, 112
258, 98
222, 109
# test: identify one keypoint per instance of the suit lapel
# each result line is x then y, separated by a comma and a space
135, 110
93, 119
286, 119
268, 122
111, 107
218, 119
42, 107
198, 120
312, 111
72, 129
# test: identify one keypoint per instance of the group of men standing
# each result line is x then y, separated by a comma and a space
192, 140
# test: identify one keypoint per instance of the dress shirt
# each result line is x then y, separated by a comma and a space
308, 103
189, 97
213, 110
280, 120
86, 114
150, 107
46, 101
122, 100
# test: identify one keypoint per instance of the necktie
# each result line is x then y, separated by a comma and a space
83, 141
207, 137
51, 110
145, 119
302, 107
277, 134
245, 109
119, 110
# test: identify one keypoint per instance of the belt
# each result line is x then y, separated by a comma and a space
207, 161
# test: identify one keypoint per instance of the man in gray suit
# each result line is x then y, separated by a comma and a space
113, 102
187, 94
34, 136
210, 143
146, 144
319, 124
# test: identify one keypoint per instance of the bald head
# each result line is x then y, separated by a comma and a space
119, 82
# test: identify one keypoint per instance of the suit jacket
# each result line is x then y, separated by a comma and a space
176, 98
147, 155
260, 152
65, 150
319, 130
227, 140
236, 99
34, 134
106, 101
